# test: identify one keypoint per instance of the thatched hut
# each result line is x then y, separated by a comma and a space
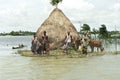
57, 25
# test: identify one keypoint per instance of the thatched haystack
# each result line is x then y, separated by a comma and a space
57, 25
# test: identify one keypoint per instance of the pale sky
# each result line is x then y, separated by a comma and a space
28, 15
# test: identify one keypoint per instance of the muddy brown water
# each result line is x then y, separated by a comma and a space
105, 67
16, 67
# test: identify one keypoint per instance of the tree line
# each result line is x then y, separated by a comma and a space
18, 33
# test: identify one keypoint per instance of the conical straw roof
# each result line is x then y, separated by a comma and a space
56, 26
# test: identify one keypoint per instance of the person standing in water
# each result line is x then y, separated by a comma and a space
34, 43
68, 40
45, 42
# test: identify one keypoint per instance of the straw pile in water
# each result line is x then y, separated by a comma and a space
56, 26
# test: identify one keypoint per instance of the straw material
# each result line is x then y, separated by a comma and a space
56, 26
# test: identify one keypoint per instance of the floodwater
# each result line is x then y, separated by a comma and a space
16, 67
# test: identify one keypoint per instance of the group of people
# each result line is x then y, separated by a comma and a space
40, 46
80, 44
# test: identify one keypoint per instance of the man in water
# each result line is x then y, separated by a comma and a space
68, 40
34, 43
45, 42
85, 41
85, 45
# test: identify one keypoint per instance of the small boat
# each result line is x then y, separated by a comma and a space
18, 47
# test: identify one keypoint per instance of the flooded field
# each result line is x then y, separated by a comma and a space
105, 67
16, 67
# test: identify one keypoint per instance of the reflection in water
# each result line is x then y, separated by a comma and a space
37, 68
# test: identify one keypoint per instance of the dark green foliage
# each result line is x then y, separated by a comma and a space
95, 31
55, 2
85, 27
103, 29
21, 33
103, 32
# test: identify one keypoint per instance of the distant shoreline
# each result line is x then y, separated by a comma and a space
30, 33
18, 33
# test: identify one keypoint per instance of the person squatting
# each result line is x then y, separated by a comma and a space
40, 46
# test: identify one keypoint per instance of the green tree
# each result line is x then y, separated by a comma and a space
95, 31
55, 2
103, 31
85, 27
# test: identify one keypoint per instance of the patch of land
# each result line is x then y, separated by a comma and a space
61, 54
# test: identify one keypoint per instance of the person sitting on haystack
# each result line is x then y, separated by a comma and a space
45, 42
68, 41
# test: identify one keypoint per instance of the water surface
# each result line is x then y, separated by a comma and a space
16, 67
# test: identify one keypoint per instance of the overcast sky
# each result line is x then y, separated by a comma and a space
28, 15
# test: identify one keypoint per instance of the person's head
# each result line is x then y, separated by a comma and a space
44, 32
68, 33
34, 35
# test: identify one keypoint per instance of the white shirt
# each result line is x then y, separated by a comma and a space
68, 38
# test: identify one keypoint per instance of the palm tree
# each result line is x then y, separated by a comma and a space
55, 2
103, 31
103, 35
85, 27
